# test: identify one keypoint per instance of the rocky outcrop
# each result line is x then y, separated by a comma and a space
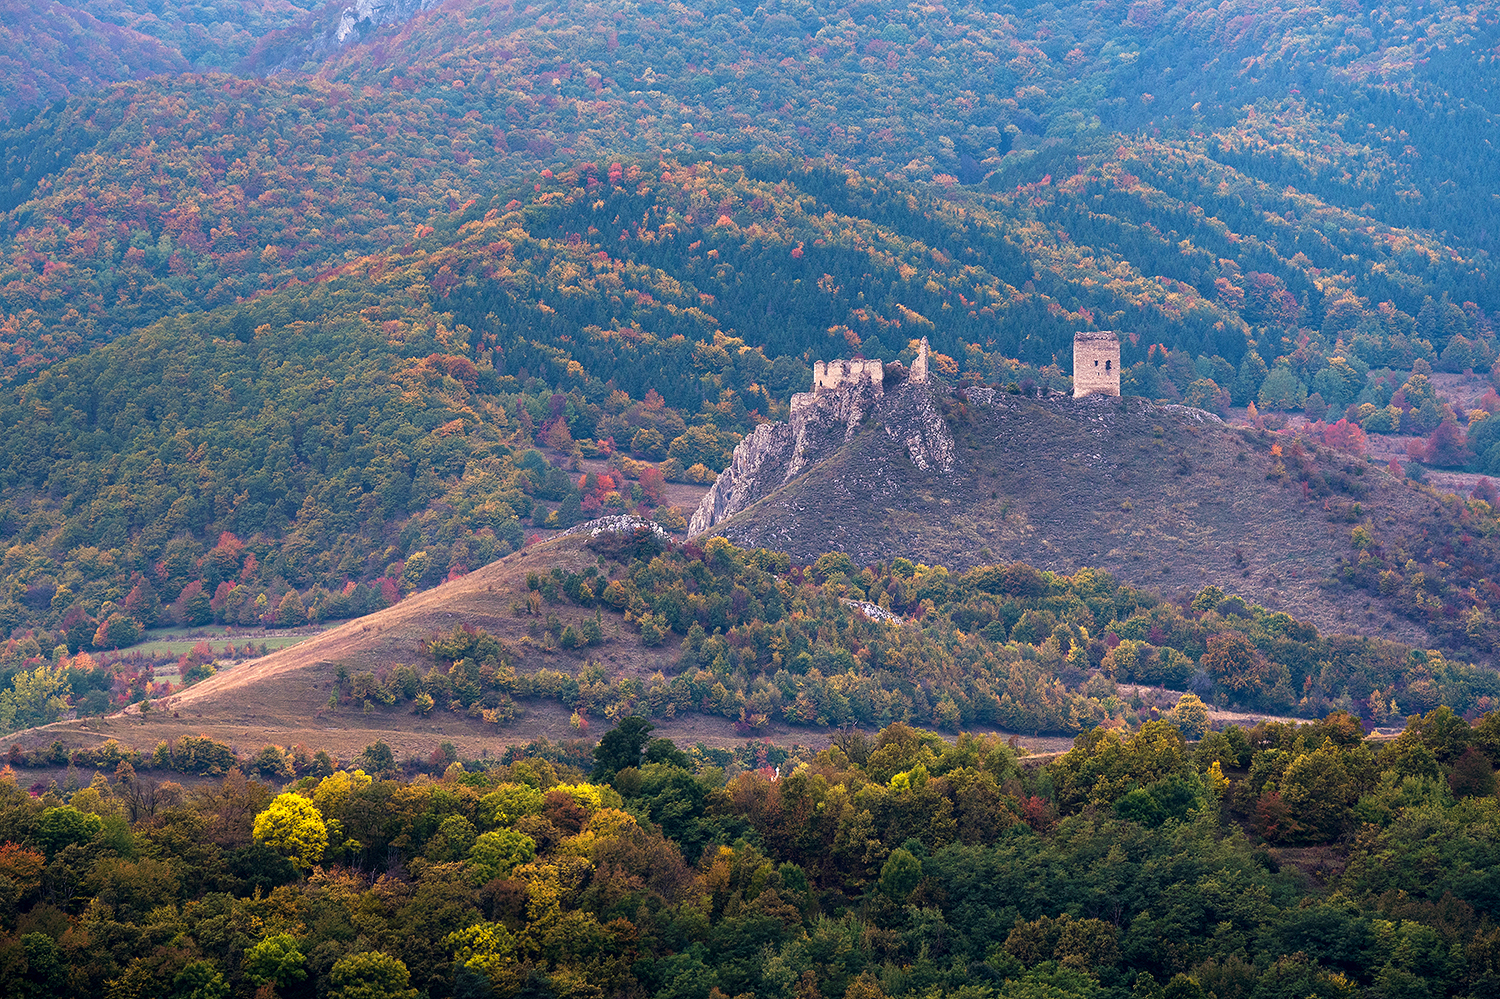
820, 424
911, 419
757, 469
366, 14
322, 36
621, 524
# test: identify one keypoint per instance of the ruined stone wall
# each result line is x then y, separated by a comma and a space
919, 364
836, 374
1096, 364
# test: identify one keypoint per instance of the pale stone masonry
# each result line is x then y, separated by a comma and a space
919, 364
836, 374
1096, 364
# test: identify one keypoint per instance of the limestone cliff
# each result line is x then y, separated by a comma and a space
325, 33
820, 424
366, 14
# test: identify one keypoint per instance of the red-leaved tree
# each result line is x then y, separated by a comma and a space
1447, 446
1345, 436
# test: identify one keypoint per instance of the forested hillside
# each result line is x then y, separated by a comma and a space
52, 51
284, 348
1282, 860
49, 51
1055, 153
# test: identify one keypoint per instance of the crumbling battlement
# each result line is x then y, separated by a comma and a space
865, 376
1096, 364
919, 364
836, 374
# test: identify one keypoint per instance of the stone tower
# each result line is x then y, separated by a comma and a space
1096, 364
919, 364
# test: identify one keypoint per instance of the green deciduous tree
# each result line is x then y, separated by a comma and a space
35, 697
290, 612
275, 961
1282, 390
65, 826
117, 631
1190, 716
621, 747
370, 975
495, 854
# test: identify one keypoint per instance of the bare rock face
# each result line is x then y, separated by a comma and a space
911, 419
366, 14
758, 467
326, 35
821, 423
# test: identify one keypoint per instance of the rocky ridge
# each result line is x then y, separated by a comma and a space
822, 422
1165, 497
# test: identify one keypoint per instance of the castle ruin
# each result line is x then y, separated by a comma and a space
830, 375
836, 374
1096, 364
839, 375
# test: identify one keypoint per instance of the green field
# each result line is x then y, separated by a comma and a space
175, 642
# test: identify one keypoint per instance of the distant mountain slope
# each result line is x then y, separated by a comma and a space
1162, 497
1215, 207
49, 52
219, 34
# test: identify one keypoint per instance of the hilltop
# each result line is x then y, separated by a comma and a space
1162, 496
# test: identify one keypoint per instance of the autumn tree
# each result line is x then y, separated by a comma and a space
1191, 716
293, 827
1234, 662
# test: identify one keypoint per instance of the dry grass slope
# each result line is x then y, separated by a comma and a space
1165, 498
282, 698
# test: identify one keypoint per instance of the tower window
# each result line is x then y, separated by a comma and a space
1107, 365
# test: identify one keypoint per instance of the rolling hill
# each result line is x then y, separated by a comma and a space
1166, 497
719, 643
333, 316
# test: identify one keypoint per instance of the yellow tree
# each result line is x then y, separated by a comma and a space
292, 826
36, 697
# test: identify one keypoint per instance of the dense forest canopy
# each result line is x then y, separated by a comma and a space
1295, 860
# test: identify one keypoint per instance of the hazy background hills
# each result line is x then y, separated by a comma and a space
317, 338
